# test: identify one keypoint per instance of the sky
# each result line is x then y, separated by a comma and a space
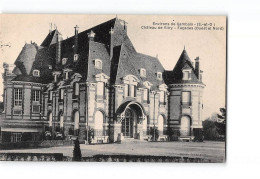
167, 44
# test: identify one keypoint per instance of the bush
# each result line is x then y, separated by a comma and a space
77, 152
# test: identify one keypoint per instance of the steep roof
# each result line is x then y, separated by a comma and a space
50, 39
26, 58
97, 51
176, 76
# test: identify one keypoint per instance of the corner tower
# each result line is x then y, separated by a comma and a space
185, 97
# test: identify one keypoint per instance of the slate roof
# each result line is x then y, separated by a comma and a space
26, 58
176, 76
124, 61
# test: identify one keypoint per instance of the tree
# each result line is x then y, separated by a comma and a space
77, 152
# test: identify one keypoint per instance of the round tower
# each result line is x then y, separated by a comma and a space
185, 98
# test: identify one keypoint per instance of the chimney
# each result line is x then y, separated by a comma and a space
58, 48
111, 32
50, 30
197, 67
91, 36
76, 40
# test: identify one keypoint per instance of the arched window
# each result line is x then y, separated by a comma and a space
185, 126
99, 119
76, 89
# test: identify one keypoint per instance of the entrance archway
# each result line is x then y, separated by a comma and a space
185, 126
128, 123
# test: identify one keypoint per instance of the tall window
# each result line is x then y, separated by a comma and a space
36, 95
162, 96
64, 61
50, 95
18, 97
76, 89
186, 97
61, 94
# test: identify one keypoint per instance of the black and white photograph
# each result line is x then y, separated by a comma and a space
113, 88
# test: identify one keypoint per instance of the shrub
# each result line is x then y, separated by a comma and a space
77, 152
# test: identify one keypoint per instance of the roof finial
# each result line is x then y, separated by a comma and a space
157, 55
184, 47
116, 16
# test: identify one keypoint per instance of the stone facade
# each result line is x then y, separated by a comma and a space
101, 89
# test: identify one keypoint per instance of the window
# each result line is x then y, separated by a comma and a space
36, 95
18, 97
50, 67
146, 95
159, 76
64, 61
61, 94
186, 75
186, 97
142, 72
50, 95
76, 57
36, 73
98, 64
16, 137
76, 89
163, 97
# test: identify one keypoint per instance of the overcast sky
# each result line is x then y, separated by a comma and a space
168, 44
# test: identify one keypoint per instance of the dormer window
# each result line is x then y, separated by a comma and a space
142, 72
36, 73
159, 75
64, 61
76, 57
98, 64
186, 75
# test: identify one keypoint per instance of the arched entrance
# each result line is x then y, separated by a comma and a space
131, 115
99, 119
128, 123
185, 126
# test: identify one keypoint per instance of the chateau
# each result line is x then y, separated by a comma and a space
97, 81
